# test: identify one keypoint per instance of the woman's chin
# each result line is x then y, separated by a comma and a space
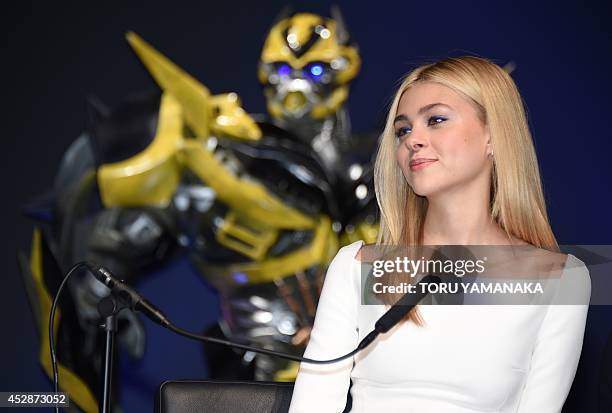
430, 191
422, 190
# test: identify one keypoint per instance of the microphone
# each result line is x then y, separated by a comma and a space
399, 310
130, 296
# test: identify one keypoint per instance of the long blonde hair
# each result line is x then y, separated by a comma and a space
517, 200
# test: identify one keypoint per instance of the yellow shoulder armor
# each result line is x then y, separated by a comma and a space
151, 176
220, 114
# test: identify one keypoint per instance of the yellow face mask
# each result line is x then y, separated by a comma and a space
306, 65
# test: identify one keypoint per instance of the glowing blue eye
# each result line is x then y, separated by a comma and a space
316, 70
240, 277
284, 70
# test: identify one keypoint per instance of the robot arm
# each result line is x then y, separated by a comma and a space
128, 240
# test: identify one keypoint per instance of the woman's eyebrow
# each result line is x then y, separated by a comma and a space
400, 118
424, 109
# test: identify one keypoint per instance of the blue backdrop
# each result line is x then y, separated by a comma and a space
54, 55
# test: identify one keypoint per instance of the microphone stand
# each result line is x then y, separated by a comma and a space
108, 308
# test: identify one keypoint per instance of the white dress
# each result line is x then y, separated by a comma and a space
478, 358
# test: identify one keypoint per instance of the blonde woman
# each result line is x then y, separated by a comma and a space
455, 166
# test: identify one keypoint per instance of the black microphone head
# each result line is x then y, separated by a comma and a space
399, 310
127, 294
101, 274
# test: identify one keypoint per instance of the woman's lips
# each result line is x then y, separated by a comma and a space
415, 166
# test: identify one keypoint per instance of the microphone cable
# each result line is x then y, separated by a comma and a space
292, 357
384, 323
51, 322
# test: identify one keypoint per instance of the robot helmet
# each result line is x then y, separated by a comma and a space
306, 65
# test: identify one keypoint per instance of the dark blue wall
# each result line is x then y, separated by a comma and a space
53, 56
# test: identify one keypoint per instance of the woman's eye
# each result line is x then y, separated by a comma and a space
402, 131
435, 120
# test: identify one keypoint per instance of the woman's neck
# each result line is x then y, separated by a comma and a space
462, 218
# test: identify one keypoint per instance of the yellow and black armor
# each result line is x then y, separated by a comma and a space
261, 210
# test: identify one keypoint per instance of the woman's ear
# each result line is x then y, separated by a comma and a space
488, 140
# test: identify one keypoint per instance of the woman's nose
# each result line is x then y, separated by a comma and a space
415, 141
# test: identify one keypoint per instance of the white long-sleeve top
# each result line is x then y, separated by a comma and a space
470, 358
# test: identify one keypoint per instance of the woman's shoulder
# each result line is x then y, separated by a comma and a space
573, 263
352, 251
357, 248
524, 259
559, 264
576, 281
343, 271
346, 262
573, 274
